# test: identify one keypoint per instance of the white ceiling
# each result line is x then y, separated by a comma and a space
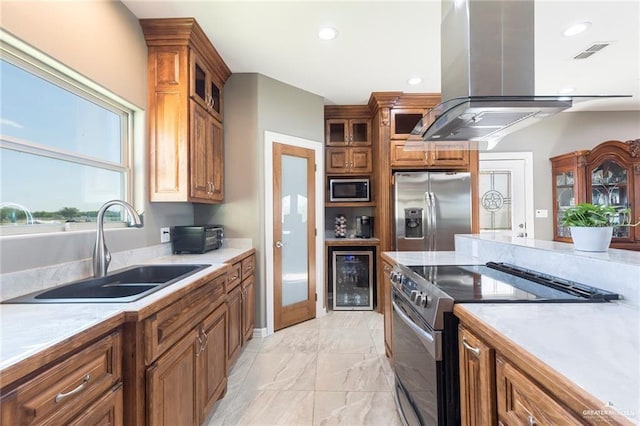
383, 43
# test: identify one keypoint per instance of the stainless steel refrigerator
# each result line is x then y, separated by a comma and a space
430, 208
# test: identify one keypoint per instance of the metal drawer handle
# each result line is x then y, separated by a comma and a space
471, 348
62, 395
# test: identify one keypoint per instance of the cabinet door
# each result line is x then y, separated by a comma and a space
108, 410
248, 308
360, 132
203, 86
337, 132
386, 282
522, 401
337, 160
403, 121
200, 153
360, 161
404, 158
234, 304
449, 154
477, 380
171, 390
564, 195
216, 164
212, 361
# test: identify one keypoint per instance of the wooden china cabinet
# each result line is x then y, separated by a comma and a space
608, 174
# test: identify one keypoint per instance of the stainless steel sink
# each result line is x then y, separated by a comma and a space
121, 286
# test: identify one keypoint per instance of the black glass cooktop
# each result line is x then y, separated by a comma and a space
498, 282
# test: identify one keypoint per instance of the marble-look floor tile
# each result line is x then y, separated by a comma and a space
374, 320
291, 340
282, 371
355, 409
387, 368
343, 319
254, 345
350, 372
346, 341
268, 407
377, 335
239, 371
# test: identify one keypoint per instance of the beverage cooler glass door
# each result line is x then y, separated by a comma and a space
352, 280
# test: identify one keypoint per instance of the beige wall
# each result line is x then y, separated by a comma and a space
254, 104
103, 41
566, 132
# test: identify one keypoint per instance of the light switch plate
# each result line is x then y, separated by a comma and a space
165, 235
542, 213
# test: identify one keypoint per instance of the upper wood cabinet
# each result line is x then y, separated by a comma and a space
608, 174
185, 78
348, 161
343, 132
451, 155
404, 120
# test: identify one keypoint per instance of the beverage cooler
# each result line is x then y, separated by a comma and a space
352, 278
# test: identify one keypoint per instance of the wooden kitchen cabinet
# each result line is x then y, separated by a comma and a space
241, 303
477, 380
522, 401
340, 161
450, 155
404, 120
387, 307
185, 347
86, 384
185, 78
608, 174
348, 132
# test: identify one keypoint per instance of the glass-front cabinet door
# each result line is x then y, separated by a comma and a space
565, 198
609, 185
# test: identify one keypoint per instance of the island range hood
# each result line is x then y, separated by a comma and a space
488, 82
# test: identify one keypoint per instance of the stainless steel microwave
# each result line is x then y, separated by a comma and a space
352, 190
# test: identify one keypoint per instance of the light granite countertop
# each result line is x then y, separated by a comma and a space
26, 329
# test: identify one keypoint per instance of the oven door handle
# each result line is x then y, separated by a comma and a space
430, 341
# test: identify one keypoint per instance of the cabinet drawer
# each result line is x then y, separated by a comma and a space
234, 276
67, 388
248, 266
167, 326
522, 401
108, 410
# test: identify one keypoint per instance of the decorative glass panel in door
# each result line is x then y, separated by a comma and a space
609, 186
565, 198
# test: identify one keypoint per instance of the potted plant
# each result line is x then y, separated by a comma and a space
592, 225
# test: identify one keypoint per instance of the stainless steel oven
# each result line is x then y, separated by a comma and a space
425, 331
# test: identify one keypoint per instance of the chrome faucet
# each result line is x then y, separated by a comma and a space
101, 255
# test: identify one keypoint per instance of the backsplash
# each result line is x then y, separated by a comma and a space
16, 284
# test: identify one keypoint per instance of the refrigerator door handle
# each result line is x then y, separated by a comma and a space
434, 219
427, 222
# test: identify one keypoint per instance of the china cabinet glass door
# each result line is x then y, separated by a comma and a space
565, 198
609, 186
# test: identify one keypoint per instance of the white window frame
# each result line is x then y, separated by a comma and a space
21, 54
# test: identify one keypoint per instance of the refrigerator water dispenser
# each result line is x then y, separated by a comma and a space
413, 222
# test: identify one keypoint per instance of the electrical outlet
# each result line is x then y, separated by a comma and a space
165, 235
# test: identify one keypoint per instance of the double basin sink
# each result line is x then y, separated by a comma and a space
126, 285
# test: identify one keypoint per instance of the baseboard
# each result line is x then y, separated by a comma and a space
260, 332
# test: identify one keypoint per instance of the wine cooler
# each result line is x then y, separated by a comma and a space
352, 275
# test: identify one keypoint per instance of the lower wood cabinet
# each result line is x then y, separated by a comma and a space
248, 308
84, 387
184, 383
522, 401
234, 302
241, 303
477, 380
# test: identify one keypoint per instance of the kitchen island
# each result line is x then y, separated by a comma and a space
584, 356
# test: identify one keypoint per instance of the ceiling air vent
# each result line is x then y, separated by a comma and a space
594, 48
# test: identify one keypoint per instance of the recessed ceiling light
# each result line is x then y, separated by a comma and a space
328, 33
576, 29
414, 81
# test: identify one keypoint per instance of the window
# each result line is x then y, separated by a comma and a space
64, 145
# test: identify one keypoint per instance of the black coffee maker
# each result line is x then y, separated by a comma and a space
364, 227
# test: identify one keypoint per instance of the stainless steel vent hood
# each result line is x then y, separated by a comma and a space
487, 66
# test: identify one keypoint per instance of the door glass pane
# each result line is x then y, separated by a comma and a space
609, 187
495, 201
294, 230
565, 198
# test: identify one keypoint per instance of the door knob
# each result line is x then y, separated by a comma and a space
279, 244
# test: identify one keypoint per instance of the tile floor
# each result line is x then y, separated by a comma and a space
326, 371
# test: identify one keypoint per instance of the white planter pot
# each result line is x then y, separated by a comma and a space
591, 239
